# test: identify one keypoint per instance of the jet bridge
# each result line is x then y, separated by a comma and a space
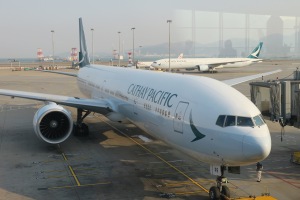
278, 99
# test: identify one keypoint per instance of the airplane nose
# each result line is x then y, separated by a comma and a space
256, 148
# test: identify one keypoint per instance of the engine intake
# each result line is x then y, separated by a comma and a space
53, 123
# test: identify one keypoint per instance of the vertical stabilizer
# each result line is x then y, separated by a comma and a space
256, 51
83, 54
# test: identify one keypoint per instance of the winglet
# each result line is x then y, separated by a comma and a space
256, 51
83, 54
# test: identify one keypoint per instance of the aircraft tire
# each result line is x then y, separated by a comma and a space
81, 131
214, 193
225, 192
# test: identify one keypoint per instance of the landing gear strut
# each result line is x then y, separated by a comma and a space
220, 191
80, 128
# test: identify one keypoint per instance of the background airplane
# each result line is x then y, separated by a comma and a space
208, 64
147, 65
224, 133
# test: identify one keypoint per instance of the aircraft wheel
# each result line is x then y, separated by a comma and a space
225, 192
214, 193
85, 129
82, 130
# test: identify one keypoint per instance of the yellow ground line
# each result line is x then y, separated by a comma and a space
80, 169
51, 171
73, 186
185, 193
175, 166
176, 184
64, 156
74, 175
168, 173
160, 158
77, 175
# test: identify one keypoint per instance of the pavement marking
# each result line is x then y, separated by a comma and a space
75, 186
156, 155
74, 175
276, 175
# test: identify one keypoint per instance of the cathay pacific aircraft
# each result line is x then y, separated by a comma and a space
203, 117
208, 64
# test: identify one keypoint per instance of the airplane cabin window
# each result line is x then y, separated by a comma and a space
220, 120
230, 120
258, 121
244, 121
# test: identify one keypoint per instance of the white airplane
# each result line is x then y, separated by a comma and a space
208, 64
203, 117
143, 64
147, 65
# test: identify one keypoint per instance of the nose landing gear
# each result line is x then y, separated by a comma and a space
220, 191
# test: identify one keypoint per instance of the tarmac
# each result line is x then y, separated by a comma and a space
116, 161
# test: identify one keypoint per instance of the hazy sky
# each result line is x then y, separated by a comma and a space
26, 24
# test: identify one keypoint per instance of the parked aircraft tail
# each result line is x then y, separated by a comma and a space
83, 54
256, 51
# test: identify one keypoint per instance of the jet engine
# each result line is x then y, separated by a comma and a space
203, 68
53, 123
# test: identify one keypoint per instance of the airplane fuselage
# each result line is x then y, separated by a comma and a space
183, 114
190, 63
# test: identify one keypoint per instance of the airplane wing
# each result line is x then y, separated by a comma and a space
236, 81
94, 105
59, 72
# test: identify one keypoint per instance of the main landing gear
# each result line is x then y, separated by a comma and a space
220, 191
80, 128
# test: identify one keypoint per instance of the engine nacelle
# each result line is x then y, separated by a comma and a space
52, 123
203, 68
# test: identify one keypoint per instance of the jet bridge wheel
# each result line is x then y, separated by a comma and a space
214, 193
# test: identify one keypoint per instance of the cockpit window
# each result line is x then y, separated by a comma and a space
244, 121
258, 120
230, 120
220, 120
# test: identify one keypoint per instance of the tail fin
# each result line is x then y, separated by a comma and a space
180, 56
83, 54
256, 51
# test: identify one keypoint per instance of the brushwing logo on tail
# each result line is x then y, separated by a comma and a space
196, 132
83, 54
256, 51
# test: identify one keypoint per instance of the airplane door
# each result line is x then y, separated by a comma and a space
179, 116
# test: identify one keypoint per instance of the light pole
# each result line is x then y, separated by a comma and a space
132, 45
169, 21
52, 31
119, 47
92, 45
140, 51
